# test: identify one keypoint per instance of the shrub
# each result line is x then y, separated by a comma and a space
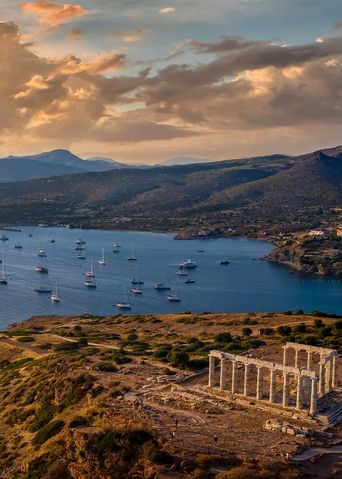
65, 347
48, 431
338, 324
25, 339
299, 328
246, 331
156, 456
284, 330
42, 416
78, 421
223, 337
178, 358
105, 367
318, 323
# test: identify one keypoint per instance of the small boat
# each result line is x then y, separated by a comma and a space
30, 235
55, 296
41, 269
42, 253
162, 287
102, 260
124, 304
90, 274
90, 283
189, 264
80, 240
132, 257
52, 240
18, 246
3, 276
138, 279
200, 251
137, 291
116, 248
79, 248
225, 262
173, 298
43, 290
81, 255
182, 271
189, 281
4, 238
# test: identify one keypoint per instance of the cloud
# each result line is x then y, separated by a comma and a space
134, 36
233, 88
166, 10
52, 13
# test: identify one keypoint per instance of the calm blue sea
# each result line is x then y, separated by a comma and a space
247, 284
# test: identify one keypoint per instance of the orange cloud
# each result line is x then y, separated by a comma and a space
52, 13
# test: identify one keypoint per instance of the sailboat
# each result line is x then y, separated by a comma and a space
102, 260
4, 238
81, 255
54, 296
90, 283
42, 253
116, 248
80, 241
3, 277
40, 268
182, 271
124, 304
43, 289
18, 246
132, 257
173, 298
52, 240
137, 290
90, 274
138, 279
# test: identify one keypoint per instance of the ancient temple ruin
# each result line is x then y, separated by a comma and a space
302, 383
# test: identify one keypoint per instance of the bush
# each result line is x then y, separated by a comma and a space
162, 352
338, 324
65, 347
318, 323
299, 328
105, 367
25, 339
78, 421
284, 330
246, 331
48, 431
178, 358
223, 337
42, 416
157, 456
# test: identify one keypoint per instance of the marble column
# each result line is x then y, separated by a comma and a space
284, 356
259, 384
328, 376
245, 383
321, 384
223, 374
286, 390
296, 358
335, 372
309, 361
211, 371
299, 402
313, 397
233, 377
272, 386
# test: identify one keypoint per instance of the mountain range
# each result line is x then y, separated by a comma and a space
252, 194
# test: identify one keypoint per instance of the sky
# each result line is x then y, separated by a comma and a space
149, 80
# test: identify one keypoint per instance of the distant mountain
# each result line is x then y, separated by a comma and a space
44, 165
117, 164
184, 161
268, 193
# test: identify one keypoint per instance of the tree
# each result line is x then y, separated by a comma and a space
178, 359
246, 331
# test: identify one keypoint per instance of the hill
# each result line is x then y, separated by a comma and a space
44, 165
249, 196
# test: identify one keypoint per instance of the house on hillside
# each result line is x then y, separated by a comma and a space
318, 232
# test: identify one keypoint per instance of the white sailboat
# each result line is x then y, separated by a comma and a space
90, 283
80, 240
132, 257
182, 271
3, 277
116, 248
189, 264
42, 253
124, 303
102, 260
90, 274
40, 268
55, 296
173, 298
137, 290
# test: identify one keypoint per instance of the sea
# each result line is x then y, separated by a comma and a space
246, 284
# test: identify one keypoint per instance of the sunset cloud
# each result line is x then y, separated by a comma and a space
232, 89
53, 13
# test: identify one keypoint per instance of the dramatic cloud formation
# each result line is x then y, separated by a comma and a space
52, 13
237, 96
